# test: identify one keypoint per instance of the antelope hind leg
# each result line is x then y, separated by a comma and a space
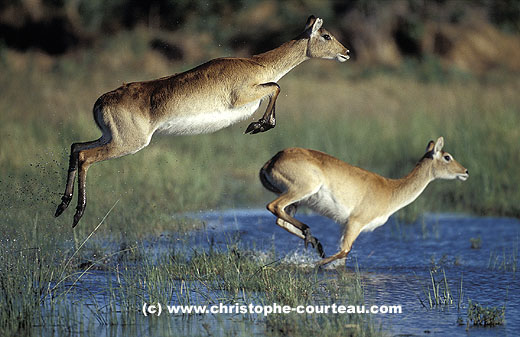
304, 234
71, 174
307, 237
93, 155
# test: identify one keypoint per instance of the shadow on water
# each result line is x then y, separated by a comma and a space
396, 264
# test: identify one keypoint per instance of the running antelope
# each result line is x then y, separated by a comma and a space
205, 99
358, 199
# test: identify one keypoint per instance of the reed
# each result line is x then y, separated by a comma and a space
437, 294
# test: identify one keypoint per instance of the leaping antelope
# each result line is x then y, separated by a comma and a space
358, 199
205, 99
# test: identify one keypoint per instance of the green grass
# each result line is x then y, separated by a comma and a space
28, 266
476, 243
437, 294
55, 299
507, 261
380, 122
234, 275
479, 315
42, 287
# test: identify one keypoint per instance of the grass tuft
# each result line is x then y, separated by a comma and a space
485, 316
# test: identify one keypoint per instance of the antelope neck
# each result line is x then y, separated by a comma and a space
284, 58
408, 188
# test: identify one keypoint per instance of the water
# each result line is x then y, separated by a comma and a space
395, 261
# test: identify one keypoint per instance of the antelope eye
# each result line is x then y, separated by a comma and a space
327, 37
447, 158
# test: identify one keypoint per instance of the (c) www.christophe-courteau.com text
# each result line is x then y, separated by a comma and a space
157, 309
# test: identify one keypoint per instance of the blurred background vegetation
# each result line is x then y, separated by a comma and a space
420, 69
473, 35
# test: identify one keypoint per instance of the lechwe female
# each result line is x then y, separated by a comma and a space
205, 99
358, 199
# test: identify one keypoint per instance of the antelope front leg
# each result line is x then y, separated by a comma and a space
350, 234
268, 120
337, 256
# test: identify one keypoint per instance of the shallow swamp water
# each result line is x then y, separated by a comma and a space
396, 263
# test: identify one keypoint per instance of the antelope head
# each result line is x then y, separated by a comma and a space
444, 166
321, 43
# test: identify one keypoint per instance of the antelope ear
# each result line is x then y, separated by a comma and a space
439, 144
317, 25
312, 25
310, 22
430, 146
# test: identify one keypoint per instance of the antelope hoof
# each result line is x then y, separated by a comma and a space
65, 201
257, 127
310, 239
77, 216
319, 248
316, 244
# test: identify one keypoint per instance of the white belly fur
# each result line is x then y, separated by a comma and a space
324, 203
207, 122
